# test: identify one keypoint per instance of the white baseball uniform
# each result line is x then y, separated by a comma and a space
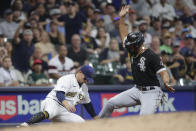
55, 66
74, 94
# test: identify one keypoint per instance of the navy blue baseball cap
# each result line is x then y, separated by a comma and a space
88, 71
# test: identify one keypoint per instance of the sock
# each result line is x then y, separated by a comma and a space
38, 117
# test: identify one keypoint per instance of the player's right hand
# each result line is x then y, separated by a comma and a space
169, 87
68, 106
124, 10
71, 108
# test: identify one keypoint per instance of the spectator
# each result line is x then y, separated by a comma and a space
167, 41
176, 51
18, 16
109, 9
29, 5
110, 26
40, 9
103, 38
34, 15
34, 23
155, 30
88, 42
37, 35
9, 48
111, 54
22, 49
191, 5
8, 76
72, 21
50, 4
143, 28
55, 14
61, 65
163, 10
3, 53
125, 76
90, 13
155, 45
63, 9
187, 16
78, 54
46, 47
178, 29
131, 21
184, 32
18, 13
56, 37
165, 28
2, 40
115, 32
98, 24
192, 30
178, 6
188, 44
8, 27
165, 59
37, 78
175, 59
142, 7
188, 67
96, 16
37, 54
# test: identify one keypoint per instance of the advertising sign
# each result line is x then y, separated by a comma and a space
16, 108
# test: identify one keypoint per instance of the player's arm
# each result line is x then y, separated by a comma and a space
157, 65
54, 76
61, 97
166, 81
122, 27
90, 110
16, 38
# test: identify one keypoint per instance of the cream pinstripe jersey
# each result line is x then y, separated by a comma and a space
73, 92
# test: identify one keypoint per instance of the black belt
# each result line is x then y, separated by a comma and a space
145, 88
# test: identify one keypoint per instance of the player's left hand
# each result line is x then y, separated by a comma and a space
169, 87
124, 10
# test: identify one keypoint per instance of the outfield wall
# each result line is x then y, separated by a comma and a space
18, 104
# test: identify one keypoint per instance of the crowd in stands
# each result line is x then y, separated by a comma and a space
41, 40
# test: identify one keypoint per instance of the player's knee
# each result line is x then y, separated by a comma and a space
110, 104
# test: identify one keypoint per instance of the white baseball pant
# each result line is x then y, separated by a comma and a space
58, 113
149, 101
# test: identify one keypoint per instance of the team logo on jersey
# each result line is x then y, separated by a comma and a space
71, 94
81, 97
161, 63
142, 64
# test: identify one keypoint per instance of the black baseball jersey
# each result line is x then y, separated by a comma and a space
145, 68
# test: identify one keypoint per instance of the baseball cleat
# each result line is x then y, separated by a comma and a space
23, 125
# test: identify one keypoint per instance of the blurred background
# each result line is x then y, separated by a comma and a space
42, 40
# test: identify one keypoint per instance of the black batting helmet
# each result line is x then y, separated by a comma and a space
133, 41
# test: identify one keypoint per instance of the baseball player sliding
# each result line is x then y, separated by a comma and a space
69, 91
145, 67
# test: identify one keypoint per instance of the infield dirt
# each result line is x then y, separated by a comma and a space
181, 121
